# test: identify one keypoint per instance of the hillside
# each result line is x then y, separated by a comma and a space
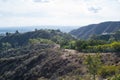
42, 55
38, 61
86, 32
115, 36
21, 39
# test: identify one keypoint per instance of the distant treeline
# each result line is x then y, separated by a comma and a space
98, 43
93, 46
18, 39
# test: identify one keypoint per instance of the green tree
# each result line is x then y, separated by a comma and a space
72, 44
6, 46
109, 70
34, 41
40, 40
81, 45
117, 77
93, 63
116, 46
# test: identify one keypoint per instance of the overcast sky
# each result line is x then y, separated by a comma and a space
57, 12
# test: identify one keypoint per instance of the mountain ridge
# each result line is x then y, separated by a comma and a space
86, 32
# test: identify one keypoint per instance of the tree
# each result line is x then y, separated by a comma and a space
116, 46
17, 32
72, 44
36, 29
6, 46
93, 63
8, 34
81, 45
34, 41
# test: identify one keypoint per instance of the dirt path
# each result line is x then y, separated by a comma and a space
68, 53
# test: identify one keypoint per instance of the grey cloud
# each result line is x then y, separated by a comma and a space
94, 9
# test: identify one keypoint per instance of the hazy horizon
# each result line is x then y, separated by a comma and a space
32, 28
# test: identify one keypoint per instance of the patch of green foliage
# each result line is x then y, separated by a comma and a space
43, 36
116, 77
40, 41
95, 46
94, 64
109, 70
108, 37
5, 46
76, 77
111, 44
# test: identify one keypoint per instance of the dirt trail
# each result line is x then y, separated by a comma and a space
68, 53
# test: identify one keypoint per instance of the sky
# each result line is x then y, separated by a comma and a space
57, 12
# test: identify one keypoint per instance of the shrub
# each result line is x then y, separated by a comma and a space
116, 46
107, 71
76, 77
116, 77
93, 63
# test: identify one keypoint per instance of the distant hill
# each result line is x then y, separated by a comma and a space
115, 36
21, 39
86, 32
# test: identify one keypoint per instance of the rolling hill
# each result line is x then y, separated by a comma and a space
86, 32
45, 62
42, 60
21, 39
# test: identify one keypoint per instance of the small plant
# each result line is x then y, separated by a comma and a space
116, 77
76, 77
109, 70
93, 63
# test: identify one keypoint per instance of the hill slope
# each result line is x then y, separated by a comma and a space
95, 29
115, 36
21, 39
33, 62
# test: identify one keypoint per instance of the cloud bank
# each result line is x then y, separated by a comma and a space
57, 12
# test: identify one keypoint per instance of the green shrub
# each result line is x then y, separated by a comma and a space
107, 71
116, 46
76, 77
116, 77
93, 63
40, 40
